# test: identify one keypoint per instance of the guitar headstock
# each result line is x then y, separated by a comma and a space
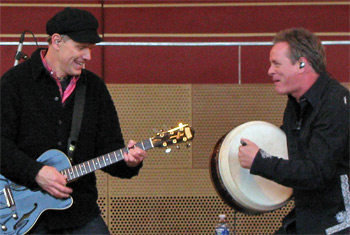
181, 133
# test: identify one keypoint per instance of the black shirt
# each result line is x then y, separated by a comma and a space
317, 131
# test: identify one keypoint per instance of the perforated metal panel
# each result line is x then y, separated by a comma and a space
102, 187
176, 201
183, 215
145, 109
164, 182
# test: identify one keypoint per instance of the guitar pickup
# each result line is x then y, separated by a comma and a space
9, 197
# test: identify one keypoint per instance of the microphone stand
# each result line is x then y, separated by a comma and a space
19, 54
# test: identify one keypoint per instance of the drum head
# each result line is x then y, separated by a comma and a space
250, 193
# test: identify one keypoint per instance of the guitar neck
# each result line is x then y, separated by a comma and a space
95, 164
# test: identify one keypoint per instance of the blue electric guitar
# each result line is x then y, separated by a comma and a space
21, 207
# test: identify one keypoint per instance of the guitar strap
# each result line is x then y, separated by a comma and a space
76, 120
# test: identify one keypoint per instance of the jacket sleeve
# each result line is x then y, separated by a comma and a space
327, 150
15, 164
109, 136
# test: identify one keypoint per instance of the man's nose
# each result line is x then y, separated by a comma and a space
87, 54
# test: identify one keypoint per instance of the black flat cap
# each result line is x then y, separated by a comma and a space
79, 25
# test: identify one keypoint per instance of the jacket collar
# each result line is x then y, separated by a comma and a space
38, 67
313, 95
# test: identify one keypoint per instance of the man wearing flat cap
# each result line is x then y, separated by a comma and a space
38, 98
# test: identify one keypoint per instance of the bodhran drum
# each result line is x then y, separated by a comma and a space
241, 190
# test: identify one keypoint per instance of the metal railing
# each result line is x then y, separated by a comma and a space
183, 44
176, 43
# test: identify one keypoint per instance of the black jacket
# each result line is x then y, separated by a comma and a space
33, 120
317, 131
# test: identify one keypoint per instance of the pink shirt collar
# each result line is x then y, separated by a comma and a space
70, 88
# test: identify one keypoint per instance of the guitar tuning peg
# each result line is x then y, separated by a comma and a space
168, 150
188, 145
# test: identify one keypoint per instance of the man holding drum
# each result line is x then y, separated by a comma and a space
316, 123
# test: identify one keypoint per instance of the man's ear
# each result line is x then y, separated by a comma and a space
55, 40
302, 62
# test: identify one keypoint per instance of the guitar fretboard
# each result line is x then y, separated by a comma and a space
95, 164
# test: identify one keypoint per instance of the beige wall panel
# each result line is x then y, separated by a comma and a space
163, 183
176, 201
145, 109
102, 187
184, 215
217, 109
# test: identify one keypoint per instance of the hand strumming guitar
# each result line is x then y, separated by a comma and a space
52, 181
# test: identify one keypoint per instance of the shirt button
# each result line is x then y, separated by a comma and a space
57, 98
59, 143
59, 122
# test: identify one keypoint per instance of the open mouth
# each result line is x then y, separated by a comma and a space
80, 64
275, 80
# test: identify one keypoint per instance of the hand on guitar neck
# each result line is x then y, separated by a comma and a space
135, 155
52, 181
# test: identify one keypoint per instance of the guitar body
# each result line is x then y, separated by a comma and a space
21, 207
28, 205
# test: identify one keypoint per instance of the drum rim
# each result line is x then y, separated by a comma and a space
219, 185
236, 188
222, 190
